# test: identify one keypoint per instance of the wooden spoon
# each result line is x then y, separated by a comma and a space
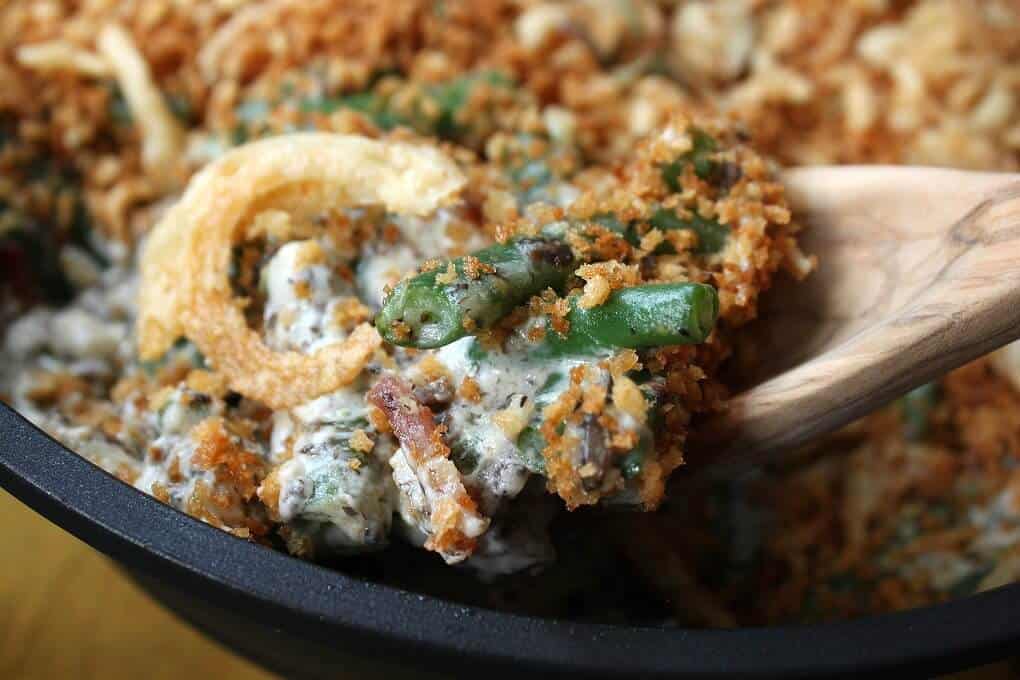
919, 273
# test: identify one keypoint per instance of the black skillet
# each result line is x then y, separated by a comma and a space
302, 620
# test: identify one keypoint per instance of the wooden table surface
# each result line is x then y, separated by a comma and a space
67, 612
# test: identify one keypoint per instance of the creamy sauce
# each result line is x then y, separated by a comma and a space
430, 236
301, 300
342, 498
168, 459
379, 269
331, 485
496, 468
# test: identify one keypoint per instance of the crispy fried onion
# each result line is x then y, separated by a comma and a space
454, 519
61, 55
162, 135
186, 289
222, 45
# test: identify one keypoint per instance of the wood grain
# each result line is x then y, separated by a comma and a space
67, 612
919, 273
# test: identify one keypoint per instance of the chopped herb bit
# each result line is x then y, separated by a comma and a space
476, 352
530, 444
464, 454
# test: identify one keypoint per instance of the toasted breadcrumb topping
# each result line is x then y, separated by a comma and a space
651, 131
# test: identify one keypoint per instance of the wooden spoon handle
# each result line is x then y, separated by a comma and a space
941, 294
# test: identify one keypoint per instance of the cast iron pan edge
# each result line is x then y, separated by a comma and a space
320, 608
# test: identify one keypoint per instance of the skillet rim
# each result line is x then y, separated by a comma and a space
305, 599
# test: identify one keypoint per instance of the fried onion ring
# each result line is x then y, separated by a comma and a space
186, 289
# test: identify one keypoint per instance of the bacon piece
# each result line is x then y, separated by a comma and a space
453, 515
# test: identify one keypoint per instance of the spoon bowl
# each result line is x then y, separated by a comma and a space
919, 273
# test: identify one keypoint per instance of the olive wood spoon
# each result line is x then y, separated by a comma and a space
918, 273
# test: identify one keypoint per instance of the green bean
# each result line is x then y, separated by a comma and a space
532, 179
452, 96
632, 464
426, 312
347, 499
651, 315
711, 234
374, 106
530, 442
700, 157
433, 111
615, 224
537, 165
